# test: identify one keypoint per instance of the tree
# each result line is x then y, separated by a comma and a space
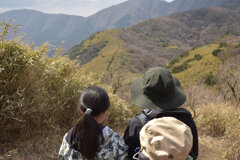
196, 96
229, 76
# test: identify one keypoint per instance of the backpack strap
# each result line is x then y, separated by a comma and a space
140, 156
143, 117
69, 136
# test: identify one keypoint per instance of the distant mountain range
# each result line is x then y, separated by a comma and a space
156, 41
40, 27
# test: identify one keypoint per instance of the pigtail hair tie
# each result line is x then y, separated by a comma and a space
88, 111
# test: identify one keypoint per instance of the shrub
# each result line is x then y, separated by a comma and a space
223, 44
174, 61
184, 65
233, 134
36, 91
180, 68
184, 54
212, 121
40, 93
221, 119
119, 113
216, 51
197, 57
210, 79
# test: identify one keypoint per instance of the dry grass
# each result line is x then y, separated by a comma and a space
220, 121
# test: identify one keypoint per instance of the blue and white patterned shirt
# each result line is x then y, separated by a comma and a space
113, 148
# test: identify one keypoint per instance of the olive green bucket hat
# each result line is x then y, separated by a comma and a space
158, 90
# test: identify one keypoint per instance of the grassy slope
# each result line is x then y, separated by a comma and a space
114, 45
197, 70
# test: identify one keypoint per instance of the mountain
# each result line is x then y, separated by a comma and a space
40, 27
156, 41
167, 37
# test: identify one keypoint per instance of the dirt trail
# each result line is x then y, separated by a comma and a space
114, 54
211, 148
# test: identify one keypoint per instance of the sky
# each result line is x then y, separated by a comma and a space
72, 7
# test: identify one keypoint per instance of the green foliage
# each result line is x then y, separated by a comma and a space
40, 93
184, 54
91, 52
197, 57
223, 44
184, 65
180, 68
210, 79
74, 51
216, 51
36, 91
92, 36
119, 113
87, 54
164, 43
174, 61
238, 46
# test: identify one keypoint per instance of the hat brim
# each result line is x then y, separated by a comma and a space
176, 99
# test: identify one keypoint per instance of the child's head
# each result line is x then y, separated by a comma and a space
94, 98
87, 133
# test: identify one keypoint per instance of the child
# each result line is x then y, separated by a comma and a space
160, 94
89, 139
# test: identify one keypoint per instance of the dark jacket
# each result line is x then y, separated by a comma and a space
131, 135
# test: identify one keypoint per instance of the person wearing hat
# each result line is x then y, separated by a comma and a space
160, 94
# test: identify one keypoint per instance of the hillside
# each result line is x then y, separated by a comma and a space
159, 40
169, 36
40, 27
196, 68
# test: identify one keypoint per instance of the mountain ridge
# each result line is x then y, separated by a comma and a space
74, 29
156, 41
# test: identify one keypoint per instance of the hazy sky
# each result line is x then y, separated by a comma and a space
73, 7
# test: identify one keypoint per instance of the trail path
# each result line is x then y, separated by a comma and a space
110, 62
211, 148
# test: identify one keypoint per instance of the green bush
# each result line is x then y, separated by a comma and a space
174, 61
40, 93
216, 51
36, 91
180, 68
183, 66
223, 44
210, 79
197, 57
184, 54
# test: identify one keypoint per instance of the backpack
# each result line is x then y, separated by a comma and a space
172, 124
